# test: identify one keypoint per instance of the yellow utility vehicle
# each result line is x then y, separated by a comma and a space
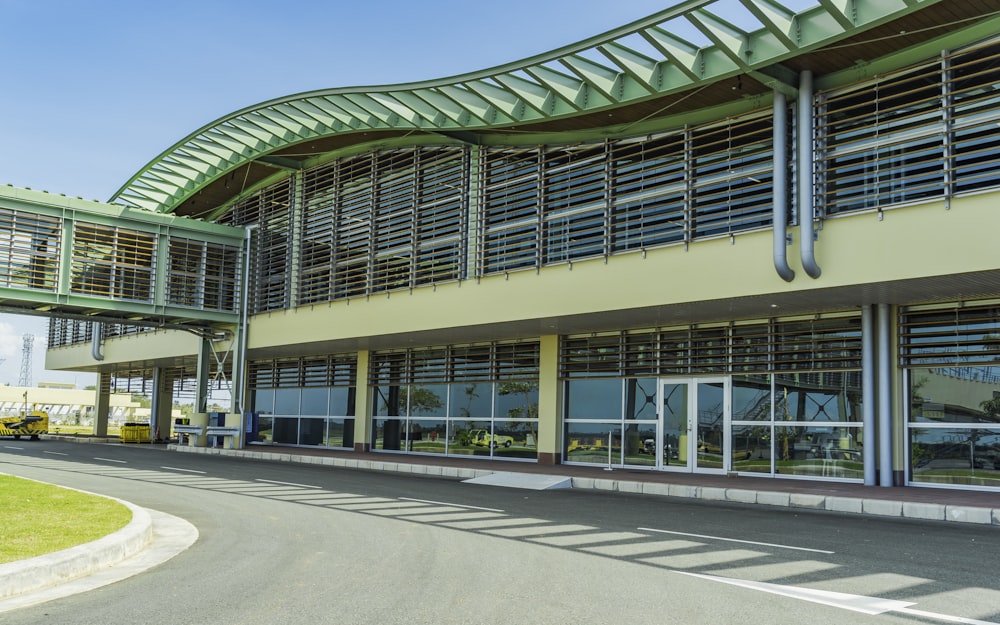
31, 424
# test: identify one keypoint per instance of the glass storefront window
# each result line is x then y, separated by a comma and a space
516, 400
311, 431
340, 433
515, 439
752, 448
818, 451
470, 437
470, 400
818, 396
639, 443
426, 401
427, 436
315, 401
386, 401
388, 434
265, 429
286, 401
286, 430
263, 401
752, 398
598, 399
963, 456
342, 401
640, 398
588, 442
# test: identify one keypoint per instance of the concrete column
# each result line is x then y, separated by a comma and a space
102, 404
868, 400
201, 376
362, 406
163, 404
885, 396
549, 402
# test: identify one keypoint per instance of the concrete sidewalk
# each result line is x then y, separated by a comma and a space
934, 504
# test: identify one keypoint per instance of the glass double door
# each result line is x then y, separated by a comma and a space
694, 424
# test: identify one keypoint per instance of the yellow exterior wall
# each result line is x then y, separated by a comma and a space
163, 345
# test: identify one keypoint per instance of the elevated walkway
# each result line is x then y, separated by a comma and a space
73, 258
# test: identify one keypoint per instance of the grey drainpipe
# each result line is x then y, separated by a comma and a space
96, 329
805, 176
780, 188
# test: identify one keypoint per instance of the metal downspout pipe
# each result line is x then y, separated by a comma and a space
779, 215
884, 396
869, 458
804, 169
96, 330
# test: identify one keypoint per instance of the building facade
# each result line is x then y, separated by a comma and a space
773, 257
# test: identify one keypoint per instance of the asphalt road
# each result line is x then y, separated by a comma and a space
291, 543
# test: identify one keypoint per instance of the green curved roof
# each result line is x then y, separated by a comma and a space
637, 62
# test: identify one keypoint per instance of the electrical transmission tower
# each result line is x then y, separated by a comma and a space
25, 380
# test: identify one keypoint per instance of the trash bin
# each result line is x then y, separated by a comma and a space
134, 433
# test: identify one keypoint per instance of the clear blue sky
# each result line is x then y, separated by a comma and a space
92, 91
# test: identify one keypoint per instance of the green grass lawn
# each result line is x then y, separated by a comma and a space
36, 518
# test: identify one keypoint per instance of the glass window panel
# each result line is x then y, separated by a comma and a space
263, 401
515, 439
594, 399
470, 438
339, 433
342, 401
471, 400
752, 398
955, 395
388, 401
516, 400
312, 431
286, 430
588, 442
427, 401
286, 401
427, 436
752, 448
825, 451
640, 398
315, 401
957, 456
388, 434
639, 443
815, 396
265, 429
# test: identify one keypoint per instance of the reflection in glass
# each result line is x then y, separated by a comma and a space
966, 456
516, 400
752, 398
471, 438
342, 401
515, 439
340, 432
388, 434
752, 448
386, 402
675, 424
639, 441
640, 399
815, 396
427, 436
711, 415
588, 442
265, 429
598, 399
426, 401
826, 451
470, 400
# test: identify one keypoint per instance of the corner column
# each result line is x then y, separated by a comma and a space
549, 402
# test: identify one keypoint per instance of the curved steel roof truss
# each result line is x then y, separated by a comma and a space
695, 42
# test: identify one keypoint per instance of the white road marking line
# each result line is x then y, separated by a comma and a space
944, 617
184, 470
12, 447
735, 540
110, 460
453, 505
55, 453
289, 484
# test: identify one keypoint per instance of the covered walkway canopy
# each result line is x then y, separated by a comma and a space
694, 55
